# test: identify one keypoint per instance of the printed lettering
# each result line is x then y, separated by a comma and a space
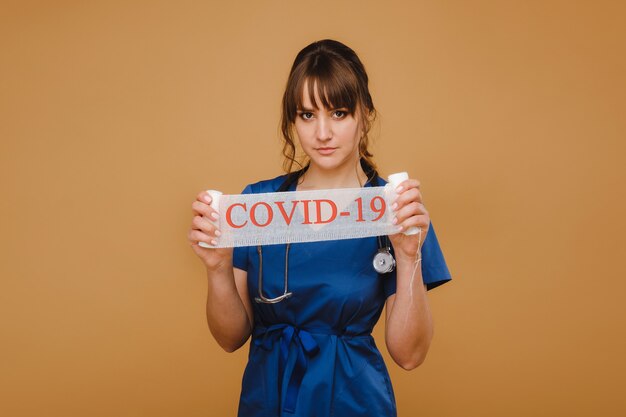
359, 209
318, 208
281, 207
380, 210
270, 214
229, 219
306, 212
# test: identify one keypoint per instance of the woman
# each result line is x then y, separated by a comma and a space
312, 354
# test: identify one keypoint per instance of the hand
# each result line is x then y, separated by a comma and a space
203, 229
409, 211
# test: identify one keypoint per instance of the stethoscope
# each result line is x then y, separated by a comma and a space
383, 261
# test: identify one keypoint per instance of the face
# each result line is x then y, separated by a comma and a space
330, 137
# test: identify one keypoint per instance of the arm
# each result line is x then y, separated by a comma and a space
228, 309
409, 323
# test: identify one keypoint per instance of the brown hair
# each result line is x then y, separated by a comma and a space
341, 81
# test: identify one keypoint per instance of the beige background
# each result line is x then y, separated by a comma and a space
114, 115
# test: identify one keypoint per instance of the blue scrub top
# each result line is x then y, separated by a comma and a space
313, 354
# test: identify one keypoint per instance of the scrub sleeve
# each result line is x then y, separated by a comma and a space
313, 354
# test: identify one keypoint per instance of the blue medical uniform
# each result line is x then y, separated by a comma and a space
313, 354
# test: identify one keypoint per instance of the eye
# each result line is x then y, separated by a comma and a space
306, 115
340, 114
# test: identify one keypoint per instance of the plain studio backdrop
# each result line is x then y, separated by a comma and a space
116, 114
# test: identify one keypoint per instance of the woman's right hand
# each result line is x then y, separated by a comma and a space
203, 229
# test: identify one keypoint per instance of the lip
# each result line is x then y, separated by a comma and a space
326, 150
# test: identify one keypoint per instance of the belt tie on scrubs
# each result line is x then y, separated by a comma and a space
306, 346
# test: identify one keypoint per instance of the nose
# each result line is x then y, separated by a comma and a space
324, 129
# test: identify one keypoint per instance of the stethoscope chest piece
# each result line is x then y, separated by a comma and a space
384, 261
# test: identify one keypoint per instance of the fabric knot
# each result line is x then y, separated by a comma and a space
306, 348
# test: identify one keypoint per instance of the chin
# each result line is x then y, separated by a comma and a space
329, 164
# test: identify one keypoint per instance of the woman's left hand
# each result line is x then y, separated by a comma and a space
409, 212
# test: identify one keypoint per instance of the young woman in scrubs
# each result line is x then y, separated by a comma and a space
312, 354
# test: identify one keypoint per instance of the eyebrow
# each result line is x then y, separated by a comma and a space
306, 109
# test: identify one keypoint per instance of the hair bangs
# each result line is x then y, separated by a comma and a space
335, 86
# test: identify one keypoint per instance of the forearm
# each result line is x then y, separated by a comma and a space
225, 311
409, 327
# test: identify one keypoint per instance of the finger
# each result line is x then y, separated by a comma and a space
407, 184
411, 209
203, 209
203, 224
196, 236
200, 208
412, 194
205, 197
422, 221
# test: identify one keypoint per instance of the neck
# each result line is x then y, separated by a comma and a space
317, 178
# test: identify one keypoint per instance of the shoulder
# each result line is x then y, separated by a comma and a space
265, 186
